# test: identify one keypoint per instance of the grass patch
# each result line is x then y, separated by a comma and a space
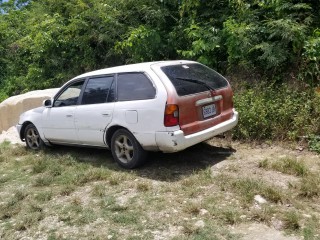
208, 232
143, 186
13, 205
264, 214
291, 221
127, 218
91, 175
310, 186
99, 190
310, 228
230, 216
28, 221
286, 165
116, 179
76, 214
67, 190
43, 180
43, 196
40, 166
192, 208
63, 189
249, 187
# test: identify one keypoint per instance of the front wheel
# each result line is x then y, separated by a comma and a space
126, 150
32, 137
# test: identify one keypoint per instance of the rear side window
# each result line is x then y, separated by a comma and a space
134, 86
183, 75
97, 90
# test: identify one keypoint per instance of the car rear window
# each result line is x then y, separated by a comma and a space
183, 75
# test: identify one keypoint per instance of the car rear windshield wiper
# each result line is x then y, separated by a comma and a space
196, 81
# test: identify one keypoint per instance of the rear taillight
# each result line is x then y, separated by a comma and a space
171, 115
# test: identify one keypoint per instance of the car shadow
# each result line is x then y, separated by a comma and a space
168, 167
172, 167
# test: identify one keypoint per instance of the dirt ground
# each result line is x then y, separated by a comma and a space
10, 135
226, 156
245, 159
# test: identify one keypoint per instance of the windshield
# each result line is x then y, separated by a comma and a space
198, 73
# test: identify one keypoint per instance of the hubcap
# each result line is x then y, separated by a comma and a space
33, 138
124, 149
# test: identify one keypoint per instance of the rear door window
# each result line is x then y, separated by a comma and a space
98, 90
193, 78
134, 86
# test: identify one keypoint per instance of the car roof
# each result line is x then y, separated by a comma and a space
138, 67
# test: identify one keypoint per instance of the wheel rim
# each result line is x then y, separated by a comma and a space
33, 138
124, 148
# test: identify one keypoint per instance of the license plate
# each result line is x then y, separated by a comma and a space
209, 110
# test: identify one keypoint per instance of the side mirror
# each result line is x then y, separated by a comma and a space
47, 103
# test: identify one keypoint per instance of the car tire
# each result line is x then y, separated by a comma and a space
32, 138
126, 150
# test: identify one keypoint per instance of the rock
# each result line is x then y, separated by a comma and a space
10, 135
203, 212
260, 199
11, 108
299, 148
199, 224
256, 206
277, 224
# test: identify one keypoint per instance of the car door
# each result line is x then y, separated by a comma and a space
58, 120
95, 112
139, 107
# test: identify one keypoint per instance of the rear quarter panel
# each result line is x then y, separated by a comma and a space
143, 117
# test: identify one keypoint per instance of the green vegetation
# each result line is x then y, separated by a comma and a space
44, 43
314, 143
310, 186
286, 165
276, 112
270, 50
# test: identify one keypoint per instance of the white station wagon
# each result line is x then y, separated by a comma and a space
156, 106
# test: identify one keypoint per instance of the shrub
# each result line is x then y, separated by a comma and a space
276, 113
314, 143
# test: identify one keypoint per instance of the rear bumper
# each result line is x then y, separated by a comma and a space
177, 141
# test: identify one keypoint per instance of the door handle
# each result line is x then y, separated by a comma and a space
69, 115
105, 114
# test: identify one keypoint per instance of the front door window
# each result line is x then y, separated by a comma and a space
69, 96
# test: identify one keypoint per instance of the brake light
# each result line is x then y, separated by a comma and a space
171, 115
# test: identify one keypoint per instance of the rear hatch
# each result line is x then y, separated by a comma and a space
203, 96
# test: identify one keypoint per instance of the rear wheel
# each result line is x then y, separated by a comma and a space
32, 137
126, 150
